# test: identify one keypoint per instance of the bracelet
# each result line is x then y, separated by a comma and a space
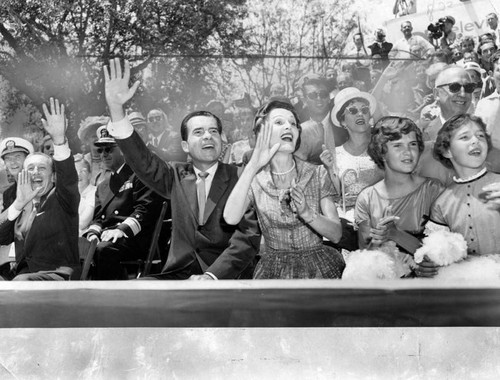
312, 219
64, 142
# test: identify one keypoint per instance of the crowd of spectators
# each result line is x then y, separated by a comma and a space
401, 136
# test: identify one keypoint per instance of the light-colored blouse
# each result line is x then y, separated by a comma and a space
358, 173
460, 208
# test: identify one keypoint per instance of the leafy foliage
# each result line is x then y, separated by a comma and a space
178, 48
57, 47
306, 32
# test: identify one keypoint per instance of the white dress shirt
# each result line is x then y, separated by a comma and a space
208, 181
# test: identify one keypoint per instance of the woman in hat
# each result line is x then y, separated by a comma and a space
350, 166
353, 111
293, 200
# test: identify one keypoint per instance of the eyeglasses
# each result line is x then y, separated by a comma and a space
107, 149
314, 95
365, 110
455, 87
154, 119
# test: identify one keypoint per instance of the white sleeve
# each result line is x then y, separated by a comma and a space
62, 152
13, 213
120, 129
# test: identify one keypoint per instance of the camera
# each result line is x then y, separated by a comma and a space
436, 29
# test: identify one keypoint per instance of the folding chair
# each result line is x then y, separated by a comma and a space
154, 255
86, 249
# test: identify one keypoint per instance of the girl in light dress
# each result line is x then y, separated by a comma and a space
397, 207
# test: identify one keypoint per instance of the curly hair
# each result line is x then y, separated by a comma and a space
391, 128
264, 111
445, 135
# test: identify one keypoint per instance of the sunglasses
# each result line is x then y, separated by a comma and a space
321, 95
154, 119
107, 149
365, 110
455, 87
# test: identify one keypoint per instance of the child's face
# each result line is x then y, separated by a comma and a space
468, 147
402, 155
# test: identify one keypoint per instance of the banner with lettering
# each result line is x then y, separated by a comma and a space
470, 17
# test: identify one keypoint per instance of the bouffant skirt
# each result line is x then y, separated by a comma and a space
317, 262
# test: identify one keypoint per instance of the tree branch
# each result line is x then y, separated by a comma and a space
10, 39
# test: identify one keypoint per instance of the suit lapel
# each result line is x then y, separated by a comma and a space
188, 183
219, 186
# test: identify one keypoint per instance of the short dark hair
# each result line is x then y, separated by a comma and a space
445, 134
391, 128
184, 128
264, 111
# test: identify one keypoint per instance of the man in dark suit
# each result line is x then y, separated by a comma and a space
203, 246
318, 130
125, 213
43, 219
381, 48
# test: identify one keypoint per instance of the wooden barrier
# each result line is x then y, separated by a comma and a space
293, 303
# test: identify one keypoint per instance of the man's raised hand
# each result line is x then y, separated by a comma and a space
117, 89
55, 121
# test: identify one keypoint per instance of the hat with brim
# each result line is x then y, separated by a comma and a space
449, 19
103, 137
15, 144
311, 78
474, 66
90, 125
345, 96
